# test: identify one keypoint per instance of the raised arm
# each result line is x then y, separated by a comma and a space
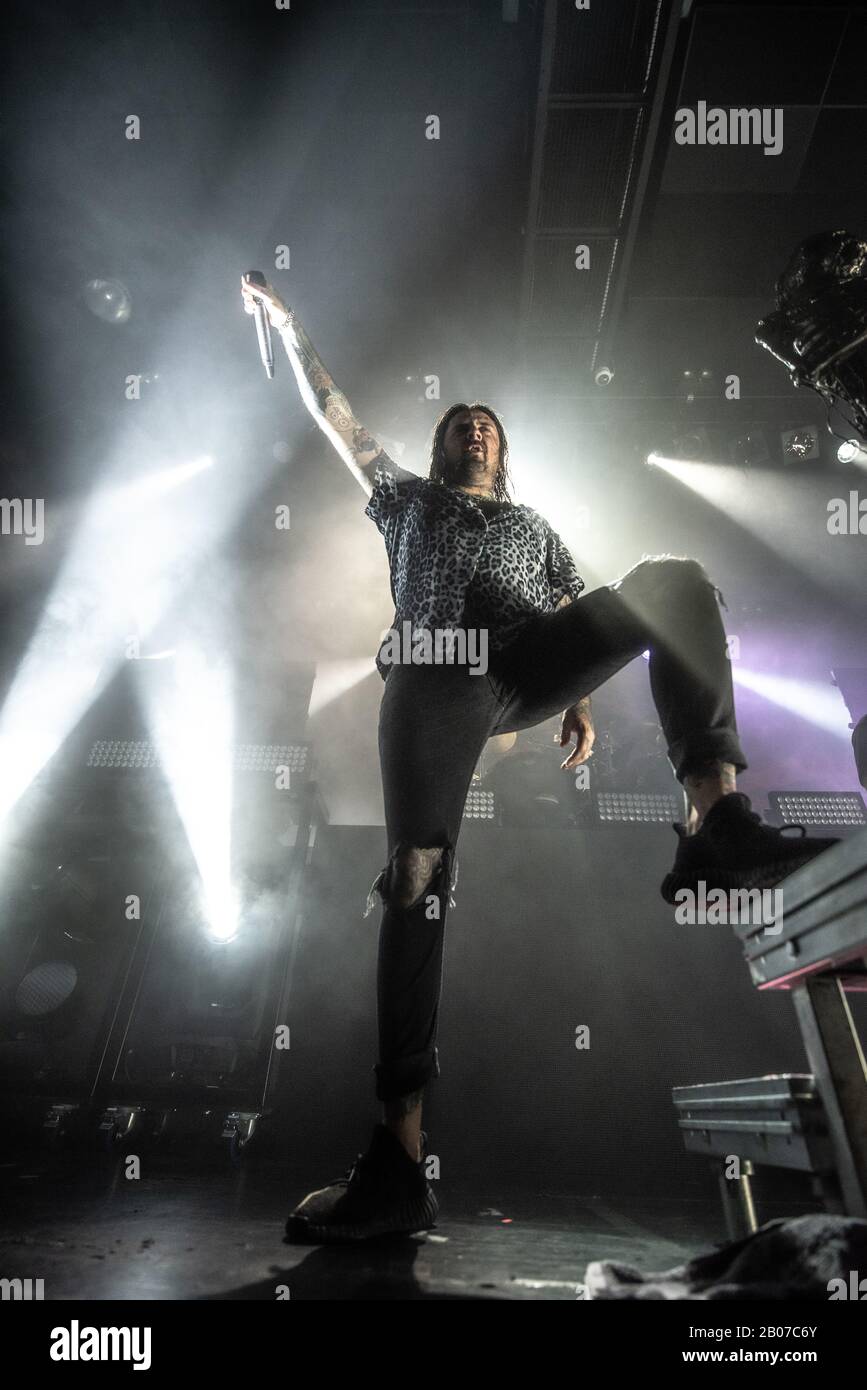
323, 398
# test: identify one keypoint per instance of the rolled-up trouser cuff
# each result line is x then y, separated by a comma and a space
690, 753
401, 1078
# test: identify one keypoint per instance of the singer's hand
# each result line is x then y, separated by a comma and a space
263, 294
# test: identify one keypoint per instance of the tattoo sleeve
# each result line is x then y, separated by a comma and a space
712, 770
325, 401
313, 376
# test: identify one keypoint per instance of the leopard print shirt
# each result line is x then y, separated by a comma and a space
452, 567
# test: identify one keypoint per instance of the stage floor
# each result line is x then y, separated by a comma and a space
216, 1233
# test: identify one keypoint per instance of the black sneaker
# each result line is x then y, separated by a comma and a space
384, 1193
735, 849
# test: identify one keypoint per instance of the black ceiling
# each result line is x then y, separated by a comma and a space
709, 231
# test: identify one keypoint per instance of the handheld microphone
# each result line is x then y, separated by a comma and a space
263, 325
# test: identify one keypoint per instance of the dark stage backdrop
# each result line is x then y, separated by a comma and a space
553, 929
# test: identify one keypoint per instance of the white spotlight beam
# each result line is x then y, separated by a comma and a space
786, 512
812, 701
134, 545
192, 725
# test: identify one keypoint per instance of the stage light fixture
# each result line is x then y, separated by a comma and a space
694, 382
800, 445
661, 446
850, 451
479, 805
109, 300
643, 807
45, 988
818, 808
133, 754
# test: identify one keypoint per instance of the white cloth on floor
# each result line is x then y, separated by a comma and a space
783, 1259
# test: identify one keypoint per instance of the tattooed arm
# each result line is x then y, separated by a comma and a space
325, 401
328, 405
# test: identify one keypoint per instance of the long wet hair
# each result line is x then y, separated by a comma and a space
438, 467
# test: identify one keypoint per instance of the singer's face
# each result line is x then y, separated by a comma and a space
472, 448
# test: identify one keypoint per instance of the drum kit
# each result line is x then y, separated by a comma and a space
530, 789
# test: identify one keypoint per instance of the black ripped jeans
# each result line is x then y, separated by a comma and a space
435, 720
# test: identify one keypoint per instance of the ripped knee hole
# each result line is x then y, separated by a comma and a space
409, 872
